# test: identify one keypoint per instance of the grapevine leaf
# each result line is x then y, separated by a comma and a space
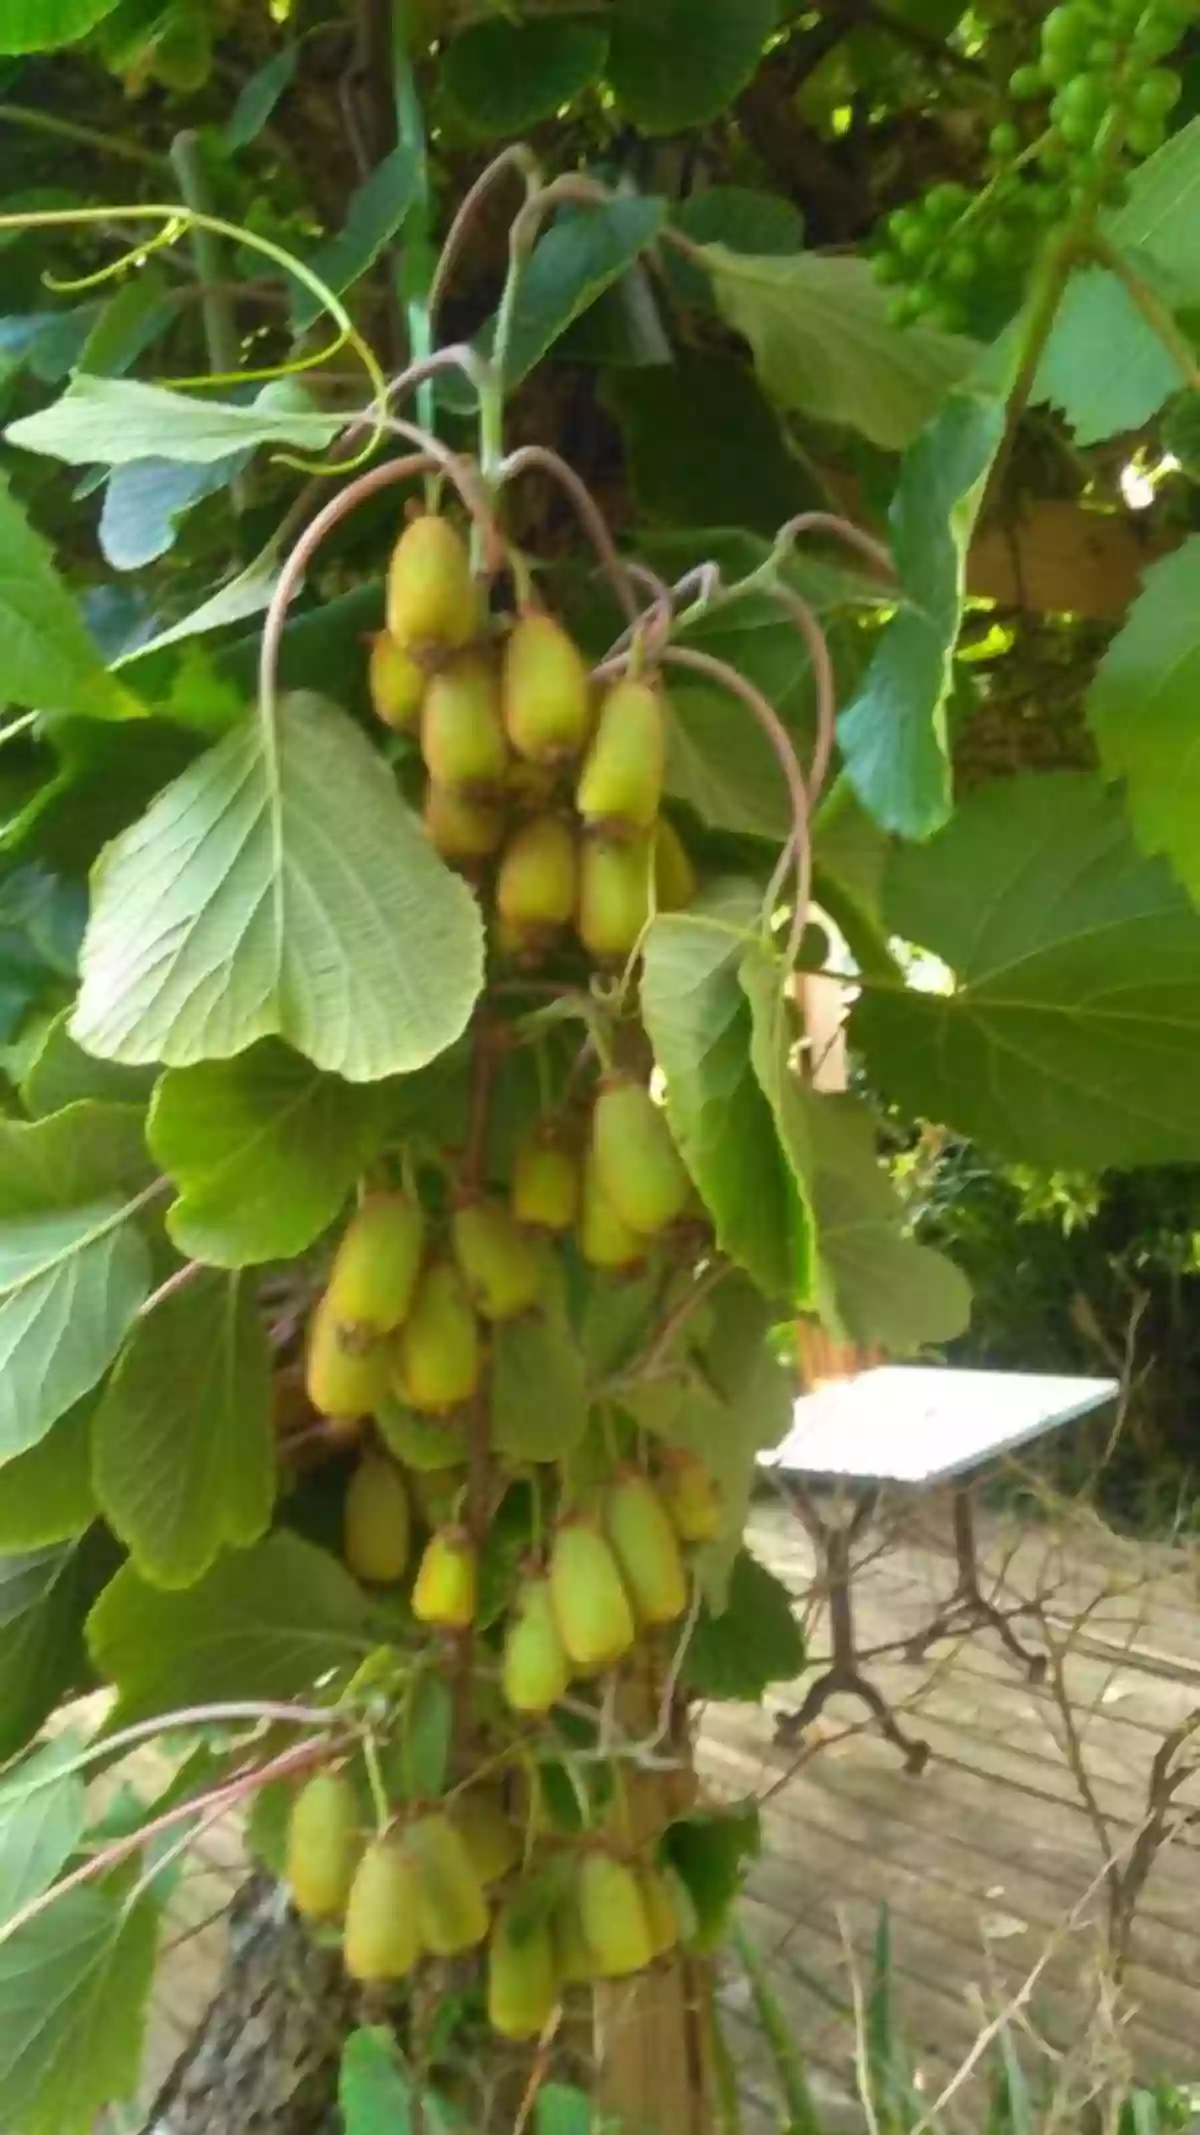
61, 1074
50, 662
279, 887
111, 421
579, 257
502, 76
373, 217
823, 347
43, 1809
708, 1849
893, 735
538, 1351
44, 1594
266, 1622
754, 1641
1142, 710
264, 1149
1071, 1032
675, 64
184, 1455
746, 476
46, 1494
698, 1021
74, 1986
41, 25
1160, 218
1137, 375
73, 1266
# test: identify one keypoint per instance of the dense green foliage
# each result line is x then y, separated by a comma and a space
766, 260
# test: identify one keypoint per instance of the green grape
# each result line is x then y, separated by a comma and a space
1157, 94
888, 267
960, 267
901, 309
944, 203
1067, 28
915, 240
1080, 109
1145, 135
1103, 52
1156, 34
1052, 156
921, 299
1027, 83
947, 314
1004, 141
1000, 244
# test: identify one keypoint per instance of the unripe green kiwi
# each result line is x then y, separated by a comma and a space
614, 896
612, 1914
645, 1546
424, 1443
438, 1494
462, 739
605, 1239
621, 783
323, 1843
637, 1163
661, 1917
499, 1262
536, 1670
382, 1940
591, 1607
437, 1354
522, 1986
573, 1956
547, 695
690, 1495
452, 1913
342, 1377
488, 1833
675, 881
376, 1521
545, 1179
446, 1591
375, 1268
461, 829
397, 683
537, 881
431, 595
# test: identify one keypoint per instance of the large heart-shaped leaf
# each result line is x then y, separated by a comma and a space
280, 888
184, 1455
43, 1806
41, 25
1071, 1034
44, 1594
266, 1622
264, 1150
1142, 709
74, 1985
73, 1265
50, 662
46, 1494
679, 63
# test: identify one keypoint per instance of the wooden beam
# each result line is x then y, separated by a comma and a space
1058, 558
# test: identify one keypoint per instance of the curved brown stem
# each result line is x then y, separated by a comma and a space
516, 157
466, 479
795, 605
797, 851
590, 514
842, 530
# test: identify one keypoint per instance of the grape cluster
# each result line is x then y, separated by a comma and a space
1095, 101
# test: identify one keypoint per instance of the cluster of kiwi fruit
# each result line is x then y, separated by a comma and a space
531, 771
546, 791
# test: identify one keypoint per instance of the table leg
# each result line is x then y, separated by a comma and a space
843, 1677
968, 1605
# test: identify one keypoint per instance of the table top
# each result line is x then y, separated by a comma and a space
908, 1423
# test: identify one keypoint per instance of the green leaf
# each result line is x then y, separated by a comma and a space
145, 501
877, 1285
563, 2110
373, 217
73, 1266
583, 253
893, 736
773, 1038
502, 76
746, 475
50, 662
41, 25
823, 347
184, 1453
1161, 215
755, 1640
708, 1851
131, 321
1070, 1038
110, 421
377, 2095
263, 1149
742, 219
698, 1022
43, 1809
74, 1987
1137, 376
62, 1074
539, 1350
421, 1760
675, 64
1142, 710
280, 887
247, 594
266, 1622
46, 1494
44, 1594
258, 97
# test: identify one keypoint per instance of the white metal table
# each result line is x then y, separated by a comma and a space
915, 1427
